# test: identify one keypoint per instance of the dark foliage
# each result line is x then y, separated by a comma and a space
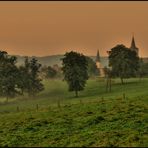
75, 66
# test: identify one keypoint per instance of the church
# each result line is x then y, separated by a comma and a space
101, 64
133, 46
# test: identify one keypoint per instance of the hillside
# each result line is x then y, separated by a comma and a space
94, 119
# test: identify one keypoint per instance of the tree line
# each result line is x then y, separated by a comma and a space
19, 80
76, 69
123, 63
27, 78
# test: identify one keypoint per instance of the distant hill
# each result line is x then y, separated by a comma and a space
54, 59
46, 60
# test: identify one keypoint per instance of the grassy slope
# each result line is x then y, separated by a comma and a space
93, 121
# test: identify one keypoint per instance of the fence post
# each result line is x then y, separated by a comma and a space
102, 99
58, 103
17, 109
37, 107
123, 95
81, 101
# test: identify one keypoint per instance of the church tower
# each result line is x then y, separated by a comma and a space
133, 46
99, 65
98, 60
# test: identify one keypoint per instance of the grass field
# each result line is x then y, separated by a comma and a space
96, 118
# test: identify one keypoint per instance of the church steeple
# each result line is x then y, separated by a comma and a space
133, 45
99, 65
98, 56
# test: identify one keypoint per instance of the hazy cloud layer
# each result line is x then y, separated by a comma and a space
46, 28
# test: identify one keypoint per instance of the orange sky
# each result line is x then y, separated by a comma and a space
47, 28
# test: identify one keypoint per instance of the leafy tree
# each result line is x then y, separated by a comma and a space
24, 76
143, 70
75, 71
34, 82
29, 76
51, 73
92, 68
14, 80
108, 76
124, 62
43, 72
8, 75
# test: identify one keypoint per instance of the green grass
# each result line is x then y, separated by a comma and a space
96, 118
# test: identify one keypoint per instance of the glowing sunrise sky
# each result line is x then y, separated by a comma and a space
46, 28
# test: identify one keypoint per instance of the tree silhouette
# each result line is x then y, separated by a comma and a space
124, 62
8, 75
75, 71
29, 77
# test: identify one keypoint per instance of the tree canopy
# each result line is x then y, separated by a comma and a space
124, 62
75, 66
32, 82
143, 69
51, 73
8, 75
92, 67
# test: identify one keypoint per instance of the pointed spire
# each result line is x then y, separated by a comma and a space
133, 45
98, 57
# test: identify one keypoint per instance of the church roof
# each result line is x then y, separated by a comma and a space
98, 57
133, 45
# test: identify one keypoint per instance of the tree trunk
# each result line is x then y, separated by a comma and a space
76, 92
22, 92
140, 78
7, 99
110, 84
107, 84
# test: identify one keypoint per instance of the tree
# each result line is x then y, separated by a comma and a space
43, 71
75, 66
35, 82
92, 68
51, 73
24, 76
108, 76
143, 69
8, 75
29, 76
124, 62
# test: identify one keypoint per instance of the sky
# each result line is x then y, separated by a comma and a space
42, 28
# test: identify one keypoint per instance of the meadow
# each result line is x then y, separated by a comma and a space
96, 118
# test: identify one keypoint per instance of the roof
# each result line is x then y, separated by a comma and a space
98, 57
133, 45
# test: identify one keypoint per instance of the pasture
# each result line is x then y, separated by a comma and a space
96, 118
